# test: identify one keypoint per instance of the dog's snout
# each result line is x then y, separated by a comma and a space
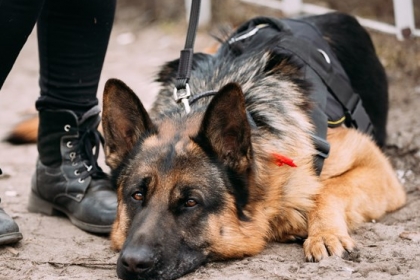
137, 260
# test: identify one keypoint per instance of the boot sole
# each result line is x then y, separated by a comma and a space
39, 205
10, 238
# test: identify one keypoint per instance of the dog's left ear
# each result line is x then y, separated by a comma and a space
225, 129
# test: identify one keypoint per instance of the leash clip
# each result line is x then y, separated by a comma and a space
183, 95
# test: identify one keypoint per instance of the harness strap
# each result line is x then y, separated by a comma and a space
330, 76
355, 114
329, 71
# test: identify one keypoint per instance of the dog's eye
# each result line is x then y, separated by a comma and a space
190, 203
137, 196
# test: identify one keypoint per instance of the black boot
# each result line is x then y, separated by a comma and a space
67, 177
9, 230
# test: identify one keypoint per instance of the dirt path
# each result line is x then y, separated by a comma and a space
54, 249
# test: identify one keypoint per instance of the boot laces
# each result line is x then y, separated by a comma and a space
89, 146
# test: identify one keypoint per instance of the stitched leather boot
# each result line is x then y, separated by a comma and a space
9, 230
67, 177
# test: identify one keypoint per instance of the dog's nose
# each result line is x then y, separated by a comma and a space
137, 260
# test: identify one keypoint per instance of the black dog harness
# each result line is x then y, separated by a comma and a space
335, 101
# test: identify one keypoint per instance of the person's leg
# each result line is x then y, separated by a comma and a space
17, 19
73, 37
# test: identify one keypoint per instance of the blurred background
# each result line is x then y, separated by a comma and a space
237, 11
139, 14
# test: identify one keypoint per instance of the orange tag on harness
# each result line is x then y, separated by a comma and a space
280, 160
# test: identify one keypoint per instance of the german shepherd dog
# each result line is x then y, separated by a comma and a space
237, 171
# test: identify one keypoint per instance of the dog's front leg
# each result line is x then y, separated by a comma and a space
327, 226
359, 185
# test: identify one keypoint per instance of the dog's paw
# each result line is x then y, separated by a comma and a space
322, 245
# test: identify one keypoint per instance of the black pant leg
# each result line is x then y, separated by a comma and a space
17, 19
73, 38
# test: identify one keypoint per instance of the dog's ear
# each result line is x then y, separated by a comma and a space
225, 128
124, 121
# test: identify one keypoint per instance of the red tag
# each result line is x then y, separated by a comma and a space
280, 160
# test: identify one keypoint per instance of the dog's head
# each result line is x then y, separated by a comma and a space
182, 183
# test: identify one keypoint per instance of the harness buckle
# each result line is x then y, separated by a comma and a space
323, 150
358, 118
322, 146
183, 95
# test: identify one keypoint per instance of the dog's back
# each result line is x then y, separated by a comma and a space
253, 62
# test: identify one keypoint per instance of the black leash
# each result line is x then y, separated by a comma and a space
182, 89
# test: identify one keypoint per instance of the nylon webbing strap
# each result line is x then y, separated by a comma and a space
342, 91
185, 61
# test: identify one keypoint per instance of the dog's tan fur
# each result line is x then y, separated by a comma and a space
355, 187
24, 132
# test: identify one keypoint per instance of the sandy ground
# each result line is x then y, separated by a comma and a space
53, 248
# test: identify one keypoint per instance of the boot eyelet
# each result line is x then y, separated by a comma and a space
69, 144
76, 172
81, 180
67, 127
73, 163
72, 156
